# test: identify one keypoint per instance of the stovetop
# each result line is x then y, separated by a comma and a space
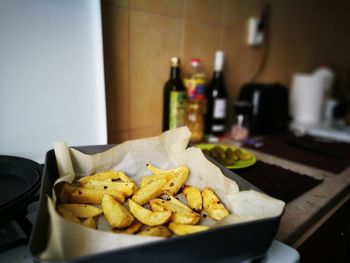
14, 237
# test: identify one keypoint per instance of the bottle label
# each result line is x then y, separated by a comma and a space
177, 109
219, 111
217, 128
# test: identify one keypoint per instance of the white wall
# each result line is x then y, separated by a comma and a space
51, 76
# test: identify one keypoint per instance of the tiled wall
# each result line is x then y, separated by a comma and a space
140, 37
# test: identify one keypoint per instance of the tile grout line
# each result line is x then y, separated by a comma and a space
129, 75
183, 33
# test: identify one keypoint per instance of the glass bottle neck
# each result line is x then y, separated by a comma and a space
174, 72
218, 75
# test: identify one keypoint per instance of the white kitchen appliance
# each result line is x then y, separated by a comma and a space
51, 76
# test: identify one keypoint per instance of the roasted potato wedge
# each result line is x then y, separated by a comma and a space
82, 210
64, 194
173, 185
175, 201
116, 214
156, 170
82, 195
67, 214
175, 178
90, 222
212, 205
159, 231
155, 177
125, 188
112, 175
148, 217
194, 197
179, 214
148, 192
180, 229
132, 229
124, 178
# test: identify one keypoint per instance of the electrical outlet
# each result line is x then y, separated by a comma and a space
255, 36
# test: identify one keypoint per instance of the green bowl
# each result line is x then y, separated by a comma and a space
238, 164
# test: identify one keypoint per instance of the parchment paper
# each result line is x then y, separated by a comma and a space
69, 240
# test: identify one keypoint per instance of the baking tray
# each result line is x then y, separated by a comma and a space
232, 243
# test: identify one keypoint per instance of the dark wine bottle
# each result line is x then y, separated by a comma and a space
174, 98
216, 100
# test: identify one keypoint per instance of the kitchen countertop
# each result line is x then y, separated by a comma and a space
305, 214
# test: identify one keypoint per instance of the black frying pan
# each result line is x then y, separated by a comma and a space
19, 182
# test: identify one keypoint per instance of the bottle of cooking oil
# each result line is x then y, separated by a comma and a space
195, 104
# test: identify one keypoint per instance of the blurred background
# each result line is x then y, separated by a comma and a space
139, 37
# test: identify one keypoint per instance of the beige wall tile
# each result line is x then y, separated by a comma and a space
204, 11
118, 137
145, 132
116, 39
240, 64
201, 41
154, 40
117, 3
163, 7
236, 12
301, 39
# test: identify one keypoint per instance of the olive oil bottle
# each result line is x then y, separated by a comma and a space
174, 98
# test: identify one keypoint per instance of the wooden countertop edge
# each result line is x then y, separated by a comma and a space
304, 215
308, 231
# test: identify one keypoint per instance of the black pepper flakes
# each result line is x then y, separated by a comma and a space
205, 215
105, 187
79, 192
171, 184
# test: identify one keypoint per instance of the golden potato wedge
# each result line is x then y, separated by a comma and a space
124, 178
90, 222
82, 195
116, 214
158, 205
175, 178
64, 194
179, 214
180, 229
125, 188
67, 214
212, 205
112, 175
173, 185
194, 197
158, 231
132, 229
175, 201
155, 177
156, 170
148, 192
82, 210
148, 217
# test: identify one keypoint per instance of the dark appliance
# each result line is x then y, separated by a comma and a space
270, 107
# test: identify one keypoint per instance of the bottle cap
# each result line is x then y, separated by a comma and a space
195, 62
175, 61
219, 60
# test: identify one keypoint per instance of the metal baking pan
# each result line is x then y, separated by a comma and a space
232, 243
